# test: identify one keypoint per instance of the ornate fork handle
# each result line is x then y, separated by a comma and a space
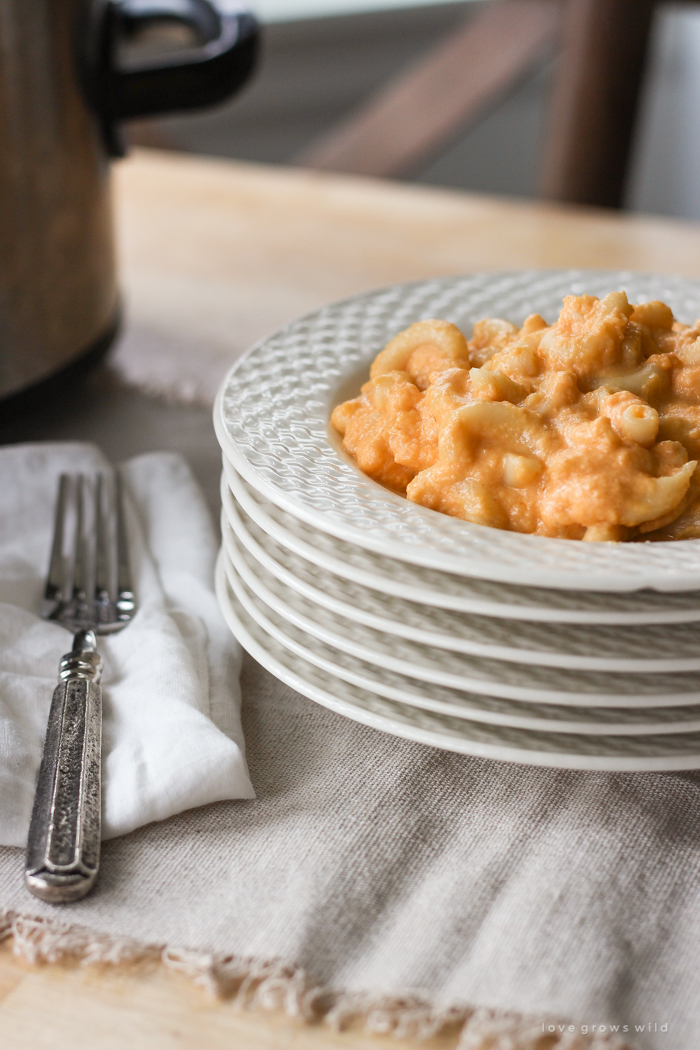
63, 850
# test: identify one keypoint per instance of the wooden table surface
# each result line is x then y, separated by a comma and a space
220, 253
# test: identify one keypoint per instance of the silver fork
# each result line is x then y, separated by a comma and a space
89, 591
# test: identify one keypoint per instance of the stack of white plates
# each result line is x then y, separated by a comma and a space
491, 643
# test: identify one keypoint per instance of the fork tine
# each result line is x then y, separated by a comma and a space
78, 590
125, 590
84, 586
72, 518
54, 592
89, 585
103, 590
88, 543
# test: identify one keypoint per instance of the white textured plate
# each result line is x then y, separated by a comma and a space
432, 666
278, 575
458, 704
561, 750
272, 420
460, 593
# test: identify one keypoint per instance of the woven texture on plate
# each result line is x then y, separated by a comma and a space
264, 635
664, 648
442, 590
272, 420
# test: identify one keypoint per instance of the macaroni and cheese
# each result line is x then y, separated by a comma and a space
585, 429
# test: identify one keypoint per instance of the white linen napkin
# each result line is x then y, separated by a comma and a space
172, 735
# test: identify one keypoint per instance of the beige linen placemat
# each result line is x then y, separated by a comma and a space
380, 878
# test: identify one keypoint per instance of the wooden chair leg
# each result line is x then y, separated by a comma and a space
595, 99
416, 114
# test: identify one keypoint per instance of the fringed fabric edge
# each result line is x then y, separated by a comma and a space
275, 985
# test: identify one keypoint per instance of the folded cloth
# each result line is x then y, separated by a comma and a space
172, 736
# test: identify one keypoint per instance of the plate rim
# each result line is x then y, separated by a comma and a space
616, 578
495, 687
588, 763
456, 711
424, 595
387, 625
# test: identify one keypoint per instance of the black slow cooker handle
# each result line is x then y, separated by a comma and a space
191, 78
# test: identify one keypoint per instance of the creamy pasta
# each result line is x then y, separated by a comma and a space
585, 429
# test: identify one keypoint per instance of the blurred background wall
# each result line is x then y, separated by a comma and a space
323, 58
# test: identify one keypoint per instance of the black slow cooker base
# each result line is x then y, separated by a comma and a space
33, 397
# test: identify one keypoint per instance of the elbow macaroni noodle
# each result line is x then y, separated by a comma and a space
585, 429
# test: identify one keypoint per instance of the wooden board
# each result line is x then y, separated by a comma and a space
231, 250
147, 1008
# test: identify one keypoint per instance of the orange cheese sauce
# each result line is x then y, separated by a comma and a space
585, 429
